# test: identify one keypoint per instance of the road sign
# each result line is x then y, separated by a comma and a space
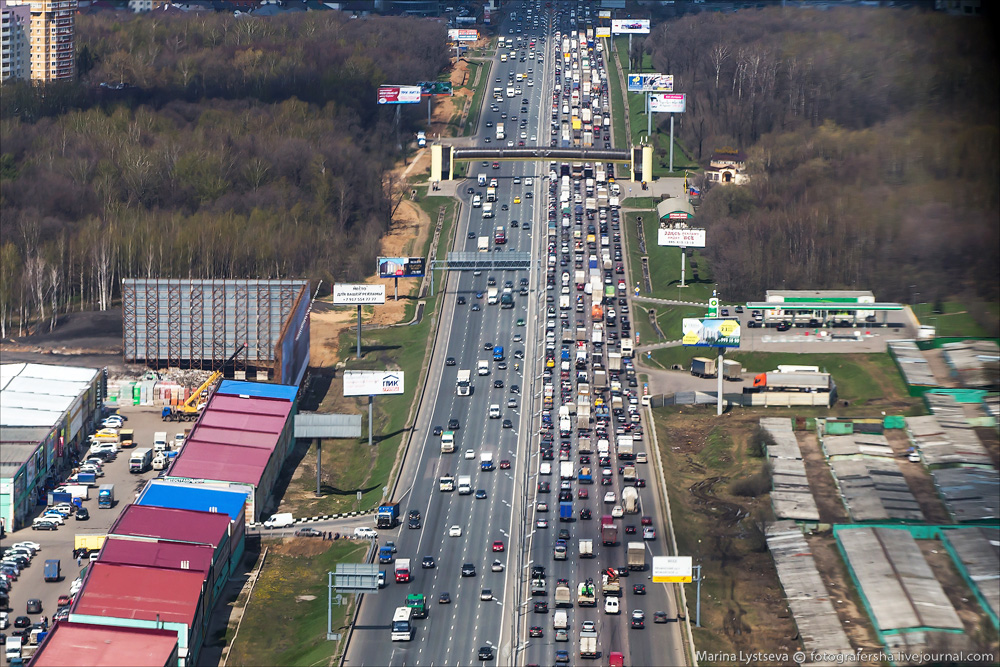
672, 570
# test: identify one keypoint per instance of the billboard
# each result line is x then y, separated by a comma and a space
398, 94
400, 267
435, 87
627, 26
681, 238
650, 83
604, 14
602, 32
373, 383
672, 570
463, 35
346, 294
699, 332
667, 102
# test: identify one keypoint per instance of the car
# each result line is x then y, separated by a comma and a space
413, 519
739, 309
437, 430
649, 533
471, 235
498, 384
517, 200
54, 517
470, 453
610, 498
450, 361
444, 598
647, 521
542, 523
639, 589
585, 514
308, 532
455, 531
562, 656
638, 619
630, 529
725, 312
64, 509
502, 366
27, 544
497, 545
496, 165
453, 424
783, 326
22, 622
485, 653
468, 570
535, 631
659, 617
544, 487
640, 482
611, 605
4, 620
486, 594
480, 494
113, 421
542, 507
504, 464
507, 423
476, 308
515, 389
42, 524
541, 607
497, 566
34, 606
428, 563
617, 511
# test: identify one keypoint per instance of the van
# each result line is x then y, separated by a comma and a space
494, 411
483, 367
12, 649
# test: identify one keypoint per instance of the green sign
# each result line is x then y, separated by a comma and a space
435, 87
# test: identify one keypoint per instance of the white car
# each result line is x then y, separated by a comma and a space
497, 566
588, 626
529, 181
470, 453
365, 532
487, 594
4, 620
54, 517
611, 606
617, 511
34, 546
114, 421
455, 531
609, 497
64, 509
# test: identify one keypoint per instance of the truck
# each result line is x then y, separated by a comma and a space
586, 548
106, 496
563, 596
126, 438
282, 520
731, 369
56, 497
626, 448
630, 500
85, 478
703, 367
492, 296
52, 571
636, 556
566, 470
402, 570
421, 139
481, 180
482, 367
588, 644
586, 594
446, 483
448, 442
560, 620
487, 213
500, 132
600, 379
538, 586
609, 531
385, 554
402, 629
628, 474
792, 381
585, 476
160, 441
597, 334
418, 603
610, 585
463, 385
626, 347
464, 485
84, 545
614, 361
597, 313
498, 353
565, 511
491, 194
486, 461
140, 461
484, 244
387, 516
12, 649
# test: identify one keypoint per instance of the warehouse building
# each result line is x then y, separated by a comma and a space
106, 646
46, 414
240, 443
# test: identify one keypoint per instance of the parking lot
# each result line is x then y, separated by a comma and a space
144, 421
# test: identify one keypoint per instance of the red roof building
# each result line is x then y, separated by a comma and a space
168, 555
106, 646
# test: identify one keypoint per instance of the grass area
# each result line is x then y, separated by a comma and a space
285, 622
617, 112
472, 122
957, 320
864, 380
665, 264
647, 203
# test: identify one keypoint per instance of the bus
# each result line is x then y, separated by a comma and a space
402, 629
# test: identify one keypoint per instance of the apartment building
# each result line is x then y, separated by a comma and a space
53, 24
15, 55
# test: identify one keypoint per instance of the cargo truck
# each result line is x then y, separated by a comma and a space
402, 570
703, 367
628, 474
418, 603
588, 644
492, 296
84, 478
126, 438
446, 483
630, 500
448, 442
563, 596
585, 477
464, 485
486, 461
636, 556
387, 516
52, 571
106, 496
56, 497
731, 369
566, 470
610, 585
626, 448
140, 461
614, 361
586, 548
566, 511
586, 594
487, 213
626, 347
481, 180
463, 385
609, 531
484, 244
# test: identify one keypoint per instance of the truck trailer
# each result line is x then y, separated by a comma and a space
636, 556
703, 367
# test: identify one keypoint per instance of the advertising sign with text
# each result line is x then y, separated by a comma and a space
373, 383
347, 294
667, 102
398, 94
604, 14
650, 83
633, 26
435, 88
463, 35
604, 31
400, 267
672, 569
681, 238
699, 332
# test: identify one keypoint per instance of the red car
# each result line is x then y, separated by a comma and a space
64, 600
647, 521
504, 464
582, 494
497, 545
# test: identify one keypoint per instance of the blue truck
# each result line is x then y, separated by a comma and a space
584, 477
566, 511
52, 570
498, 353
56, 497
88, 478
387, 516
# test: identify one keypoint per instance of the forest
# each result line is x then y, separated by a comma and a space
871, 137
220, 147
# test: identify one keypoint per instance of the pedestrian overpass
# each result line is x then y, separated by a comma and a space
443, 158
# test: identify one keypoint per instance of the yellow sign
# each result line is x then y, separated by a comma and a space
729, 327
672, 570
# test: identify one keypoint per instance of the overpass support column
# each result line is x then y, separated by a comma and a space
647, 163
435, 162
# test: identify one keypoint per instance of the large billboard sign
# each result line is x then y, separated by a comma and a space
680, 238
345, 294
604, 31
398, 94
667, 102
400, 267
604, 14
627, 26
463, 35
650, 83
699, 332
373, 383
672, 570
435, 88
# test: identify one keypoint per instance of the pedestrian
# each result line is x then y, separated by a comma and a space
79, 560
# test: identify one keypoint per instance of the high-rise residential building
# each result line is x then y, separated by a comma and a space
53, 53
15, 55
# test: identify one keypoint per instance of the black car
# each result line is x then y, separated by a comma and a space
444, 598
437, 430
498, 384
428, 562
82, 514
460, 300
639, 589
783, 326
450, 361
544, 487
468, 570
22, 622
486, 653
541, 607
535, 631
585, 514
413, 519
452, 424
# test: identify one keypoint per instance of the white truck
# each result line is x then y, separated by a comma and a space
448, 442
566, 470
560, 620
463, 385
482, 367
588, 644
464, 485
487, 213
283, 520
626, 448
626, 347
630, 500
493, 296
586, 548
484, 243
481, 180
160, 441
636, 556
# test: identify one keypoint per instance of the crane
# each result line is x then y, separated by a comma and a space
191, 408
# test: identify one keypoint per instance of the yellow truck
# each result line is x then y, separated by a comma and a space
84, 545
126, 438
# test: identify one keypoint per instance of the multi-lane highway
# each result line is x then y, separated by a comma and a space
504, 504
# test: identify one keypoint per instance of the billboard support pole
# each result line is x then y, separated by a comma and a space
683, 265
395, 288
718, 371
649, 127
371, 400
671, 143
697, 606
359, 331
319, 463
429, 98
629, 55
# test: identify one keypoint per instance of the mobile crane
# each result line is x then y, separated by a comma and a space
189, 410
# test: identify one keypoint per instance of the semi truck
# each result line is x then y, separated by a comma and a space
387, 516
636, 556
106, 496
418, 603
500, 132
464, 485
463, 385
402, 570
703, 367
630, 500
402, 629
609, 531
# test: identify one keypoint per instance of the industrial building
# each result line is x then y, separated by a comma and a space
106, 646
46, 413
201, 323
240, 442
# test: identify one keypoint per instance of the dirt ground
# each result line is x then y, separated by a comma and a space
824, 490
918, 479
